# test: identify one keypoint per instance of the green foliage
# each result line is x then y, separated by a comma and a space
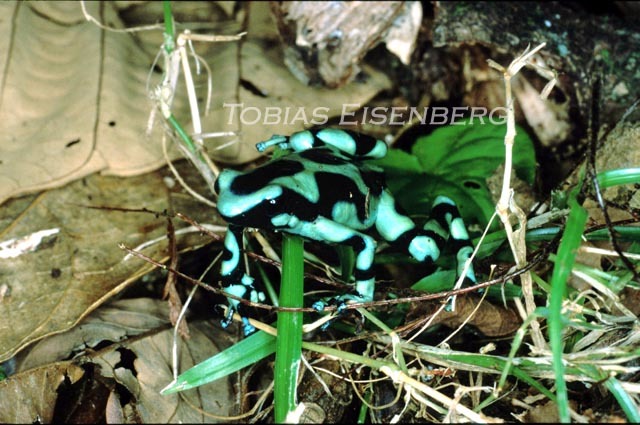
619, 176
246, 352
289, 339
442, 280
569, 244
455, 161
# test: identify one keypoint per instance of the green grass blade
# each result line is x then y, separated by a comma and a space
619, 176
625, 401
169, 28
625, 234
561, 271
289, 340
244, 353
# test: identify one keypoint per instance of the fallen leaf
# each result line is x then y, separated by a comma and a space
79, 265
491, 320
30, 397
142, 365
74, 97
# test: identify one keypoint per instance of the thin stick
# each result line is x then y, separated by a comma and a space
507, 206
99, 24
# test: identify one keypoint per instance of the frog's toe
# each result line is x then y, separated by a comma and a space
341, 306
340, 302
321, 304
247, 327
228, 318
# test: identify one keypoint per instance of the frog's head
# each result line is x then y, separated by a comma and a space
242, 205
224, 181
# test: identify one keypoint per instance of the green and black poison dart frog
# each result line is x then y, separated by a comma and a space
325, 191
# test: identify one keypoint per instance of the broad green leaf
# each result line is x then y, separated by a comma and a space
398, 162
455, 161
473, 150
436, 282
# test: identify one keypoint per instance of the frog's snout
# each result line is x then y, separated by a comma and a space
224, 180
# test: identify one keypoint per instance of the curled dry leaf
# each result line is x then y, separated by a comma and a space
490, 319
31, 397
325, 41
141, 365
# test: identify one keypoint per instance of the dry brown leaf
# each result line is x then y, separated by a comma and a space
491, 320
325, 42
145, 376
79, 265
73, 99
30, 397
152, 370
543, 413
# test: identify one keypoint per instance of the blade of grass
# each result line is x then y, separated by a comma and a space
169, 29
625, 401
569, 245
289, 339
244, 353
619, 176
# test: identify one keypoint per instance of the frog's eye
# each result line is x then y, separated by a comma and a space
272, 201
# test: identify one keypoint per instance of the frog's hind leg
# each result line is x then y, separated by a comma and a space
234, 279
425, 244
445, 215
398, 229
323, 229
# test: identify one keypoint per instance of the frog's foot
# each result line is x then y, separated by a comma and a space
246, 290
339, 301
228, 318
363, 294
282, 141
247, 328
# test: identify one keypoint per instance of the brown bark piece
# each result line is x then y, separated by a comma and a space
325, 41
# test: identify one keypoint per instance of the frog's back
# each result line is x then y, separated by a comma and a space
317, 182
338, 187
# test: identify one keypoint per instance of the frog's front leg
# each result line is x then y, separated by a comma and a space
234, 279
325, 230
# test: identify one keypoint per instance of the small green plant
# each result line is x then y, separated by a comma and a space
456, 160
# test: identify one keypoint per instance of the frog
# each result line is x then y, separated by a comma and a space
327, 190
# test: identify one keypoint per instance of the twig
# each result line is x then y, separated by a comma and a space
507, 206
100, 25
